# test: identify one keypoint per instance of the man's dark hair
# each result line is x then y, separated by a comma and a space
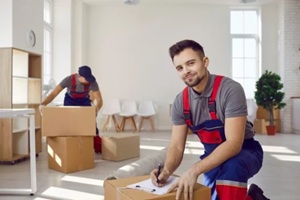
184, 44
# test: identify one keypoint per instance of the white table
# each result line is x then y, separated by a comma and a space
26, 113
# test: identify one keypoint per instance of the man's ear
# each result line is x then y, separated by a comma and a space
206, 61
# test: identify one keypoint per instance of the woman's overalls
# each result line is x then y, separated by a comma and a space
75, 98
229, 180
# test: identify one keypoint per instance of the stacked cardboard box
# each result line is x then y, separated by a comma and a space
120, 146
70, 131
117, 190
263, 119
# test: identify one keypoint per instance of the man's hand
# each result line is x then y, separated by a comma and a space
161, 180
185, 185
41, 109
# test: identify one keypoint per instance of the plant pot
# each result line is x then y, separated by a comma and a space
271, 130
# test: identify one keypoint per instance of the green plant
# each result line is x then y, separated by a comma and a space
268, 94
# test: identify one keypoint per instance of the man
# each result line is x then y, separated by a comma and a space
77, 94
214, 108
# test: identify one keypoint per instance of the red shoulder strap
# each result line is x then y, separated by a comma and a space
186, 107
73, 81
211, 102
212, 99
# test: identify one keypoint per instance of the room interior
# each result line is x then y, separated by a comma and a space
127, 48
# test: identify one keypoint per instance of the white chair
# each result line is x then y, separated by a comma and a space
128, 111
146, 111
111, 108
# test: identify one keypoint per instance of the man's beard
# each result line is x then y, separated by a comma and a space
194, 82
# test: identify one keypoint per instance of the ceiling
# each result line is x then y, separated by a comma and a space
220, 2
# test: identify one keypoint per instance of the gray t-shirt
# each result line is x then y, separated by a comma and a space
67, 83
230, 102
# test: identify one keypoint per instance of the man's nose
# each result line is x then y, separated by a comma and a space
186, 70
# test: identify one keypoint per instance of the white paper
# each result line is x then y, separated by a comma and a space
148, 186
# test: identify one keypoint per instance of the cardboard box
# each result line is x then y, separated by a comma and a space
120, 146
260, 125
262, 113
69, 121
116, 190
70, 154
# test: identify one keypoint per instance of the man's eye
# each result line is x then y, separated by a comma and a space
178, 68
191, 63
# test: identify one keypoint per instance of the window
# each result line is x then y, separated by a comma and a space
245, 42
48, 29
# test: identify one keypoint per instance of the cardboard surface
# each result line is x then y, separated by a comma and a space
70, 154
69, 121
120, 146
116, 190
260, 125
262, 113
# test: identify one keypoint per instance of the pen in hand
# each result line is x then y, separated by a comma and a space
158, 171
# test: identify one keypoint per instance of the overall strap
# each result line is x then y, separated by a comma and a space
73, 81
186, 107
87, 88
73, 92
212, 99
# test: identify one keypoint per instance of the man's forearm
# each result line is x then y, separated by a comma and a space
48, 99
173, 160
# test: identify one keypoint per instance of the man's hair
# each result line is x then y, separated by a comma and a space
184, 44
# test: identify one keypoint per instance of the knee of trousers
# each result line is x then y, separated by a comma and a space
234, 170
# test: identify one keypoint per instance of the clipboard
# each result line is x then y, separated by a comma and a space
148, 186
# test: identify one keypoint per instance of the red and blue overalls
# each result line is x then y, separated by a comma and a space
75, 98
229, 180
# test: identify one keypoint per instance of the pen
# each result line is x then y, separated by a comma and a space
158, 171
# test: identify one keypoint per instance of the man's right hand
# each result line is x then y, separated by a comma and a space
163, 177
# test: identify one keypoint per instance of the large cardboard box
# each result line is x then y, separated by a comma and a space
69, 121
120, 146
260, 125
116, 190
70, 154
262, 113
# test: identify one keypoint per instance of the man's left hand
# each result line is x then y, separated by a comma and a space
185, 185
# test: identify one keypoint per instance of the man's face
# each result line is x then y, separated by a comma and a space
191, 67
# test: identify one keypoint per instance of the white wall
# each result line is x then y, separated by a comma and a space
289, 59
68, 36
6, 23
128, 47
270, 31
17, 18
62, 46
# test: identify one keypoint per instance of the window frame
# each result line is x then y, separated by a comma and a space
257, 38
49, 52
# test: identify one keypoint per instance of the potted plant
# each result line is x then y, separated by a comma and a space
269, 96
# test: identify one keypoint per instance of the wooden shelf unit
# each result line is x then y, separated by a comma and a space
21, 87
